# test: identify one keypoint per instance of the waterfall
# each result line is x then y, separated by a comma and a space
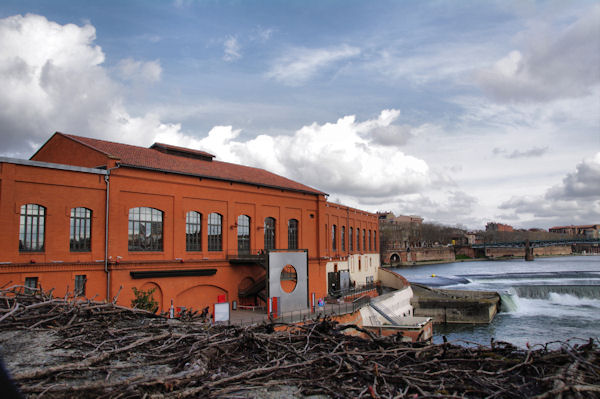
544, 291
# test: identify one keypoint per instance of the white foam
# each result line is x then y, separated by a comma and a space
555, 306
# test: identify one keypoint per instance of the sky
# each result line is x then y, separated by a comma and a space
461, 112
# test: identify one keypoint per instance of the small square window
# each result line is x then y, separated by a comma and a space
80, 281
31, 284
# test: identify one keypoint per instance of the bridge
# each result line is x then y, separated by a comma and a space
538, 243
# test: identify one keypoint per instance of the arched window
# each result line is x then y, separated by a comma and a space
81, 230
333, 237
292, 234
215, 232
343, 238
357, 239
364, 244
370, 246
243, 234
145, 229
193, 231
375, 240
269, 233
32, 225
351, 237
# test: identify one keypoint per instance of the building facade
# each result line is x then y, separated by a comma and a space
589, 230
493, 226
97, 219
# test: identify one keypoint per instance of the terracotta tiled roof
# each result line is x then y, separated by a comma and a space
148, 158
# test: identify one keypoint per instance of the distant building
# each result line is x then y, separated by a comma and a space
492, 226
389, 217
590, 230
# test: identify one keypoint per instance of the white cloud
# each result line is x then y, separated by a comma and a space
530, 153
549, 65
232, 49
139, 71
342, 157
583, 184
576, 200
302, 64
53, 80
447, 208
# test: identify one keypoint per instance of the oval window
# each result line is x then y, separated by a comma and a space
289, 278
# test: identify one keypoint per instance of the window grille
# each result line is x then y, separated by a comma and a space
81, 230
243, 234
292, 234
215, 232
145, 229
193, 231
31, 228
80, 281
269, 233
31, 284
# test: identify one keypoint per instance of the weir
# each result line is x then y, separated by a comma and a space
543, 291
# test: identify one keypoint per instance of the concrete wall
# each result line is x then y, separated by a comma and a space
520, 252
392, 279
455, 306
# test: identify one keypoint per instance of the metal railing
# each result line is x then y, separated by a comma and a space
299, 316
356, 290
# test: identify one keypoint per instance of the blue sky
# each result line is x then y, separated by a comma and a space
460, 112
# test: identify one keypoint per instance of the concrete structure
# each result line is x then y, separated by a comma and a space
98, 218
455, 306
392, 313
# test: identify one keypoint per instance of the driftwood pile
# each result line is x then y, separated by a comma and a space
67, 348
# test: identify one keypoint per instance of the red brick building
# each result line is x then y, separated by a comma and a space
589, 230
100, 218
492, 226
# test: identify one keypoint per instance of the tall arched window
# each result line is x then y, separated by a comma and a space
375, 240
269, 233
193, 231
292, 234
364, 243
370, 246
215, 232
357, 239
243, 234
351, 237
81, 230
32, 225
343, 238
145, 229
333, 237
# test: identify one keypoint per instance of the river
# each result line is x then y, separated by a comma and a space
549, 299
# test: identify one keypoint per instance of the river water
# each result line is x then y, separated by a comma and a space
549, 299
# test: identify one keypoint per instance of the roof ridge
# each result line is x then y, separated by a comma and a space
78, 139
